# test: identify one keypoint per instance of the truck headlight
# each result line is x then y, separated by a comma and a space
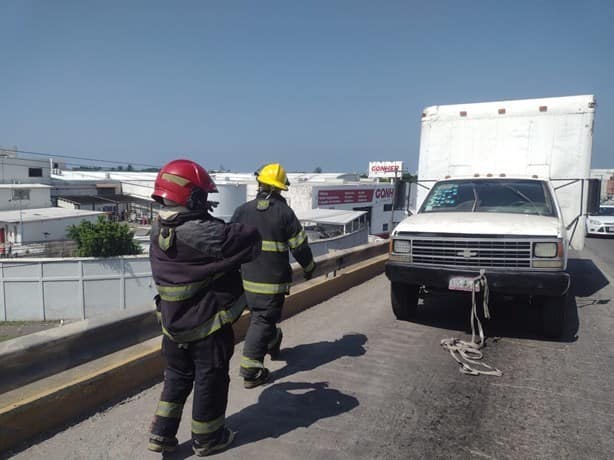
545, 249
401, 246
594, 222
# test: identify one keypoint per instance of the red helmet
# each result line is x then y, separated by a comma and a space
180, 180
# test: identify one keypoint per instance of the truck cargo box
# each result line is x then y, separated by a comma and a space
550, 138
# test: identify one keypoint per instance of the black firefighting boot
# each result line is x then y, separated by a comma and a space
162, 444
260, 378
275, 345
204, 449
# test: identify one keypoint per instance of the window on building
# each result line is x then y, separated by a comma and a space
106, 191
385, 227
35, 172
387, 207
20, 194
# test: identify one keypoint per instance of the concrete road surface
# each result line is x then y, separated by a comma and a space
602, 247
358, 384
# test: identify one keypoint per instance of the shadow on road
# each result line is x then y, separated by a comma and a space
308, 356
517, 317
586, 278
509, 317
281, 408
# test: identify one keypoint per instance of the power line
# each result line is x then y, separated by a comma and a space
73, 157
93, 175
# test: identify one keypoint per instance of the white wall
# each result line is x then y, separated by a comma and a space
39, 198
56, 228
78, 288
299, 196
80, 188
16, 170
230, 196
138, 188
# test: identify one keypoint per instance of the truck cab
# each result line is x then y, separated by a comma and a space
510, 227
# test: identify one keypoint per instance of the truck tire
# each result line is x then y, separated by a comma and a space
404, 299
554, 316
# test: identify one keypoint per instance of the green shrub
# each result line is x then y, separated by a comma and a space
103, 238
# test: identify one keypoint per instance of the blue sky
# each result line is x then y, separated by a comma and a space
330, 84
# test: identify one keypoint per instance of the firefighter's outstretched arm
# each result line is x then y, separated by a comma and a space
242, 243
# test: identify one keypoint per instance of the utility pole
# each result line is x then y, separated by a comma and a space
18, 196
393, 181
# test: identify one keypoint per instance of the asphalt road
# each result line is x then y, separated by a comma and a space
357, 384
603, 247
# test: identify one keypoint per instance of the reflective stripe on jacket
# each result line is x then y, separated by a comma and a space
281, 231
195, 260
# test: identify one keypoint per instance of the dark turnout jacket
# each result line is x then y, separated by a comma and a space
281, 231
195, 260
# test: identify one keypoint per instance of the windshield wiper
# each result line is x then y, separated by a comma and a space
475, 199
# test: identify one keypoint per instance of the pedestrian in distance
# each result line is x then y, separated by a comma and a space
195, 261
267, 278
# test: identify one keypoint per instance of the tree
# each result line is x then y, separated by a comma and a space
130, 168
318, 170
103, 238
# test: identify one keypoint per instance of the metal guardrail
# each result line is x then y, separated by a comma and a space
335, 261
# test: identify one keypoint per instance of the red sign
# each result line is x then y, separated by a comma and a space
327, 197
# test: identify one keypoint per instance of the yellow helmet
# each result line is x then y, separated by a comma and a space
274, 175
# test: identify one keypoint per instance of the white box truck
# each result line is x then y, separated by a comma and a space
504, 189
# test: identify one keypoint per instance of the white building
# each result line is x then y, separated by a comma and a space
323, 191
18, 170
346, 191
24, 196
37, 225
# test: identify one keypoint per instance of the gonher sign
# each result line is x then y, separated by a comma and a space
384, 193
385, 168
326, 197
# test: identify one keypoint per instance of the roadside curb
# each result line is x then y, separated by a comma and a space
56, 400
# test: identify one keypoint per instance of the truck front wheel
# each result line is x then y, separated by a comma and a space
404, 299
554, 316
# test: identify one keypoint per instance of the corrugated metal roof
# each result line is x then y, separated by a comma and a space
25, 186
329, 216
41, 214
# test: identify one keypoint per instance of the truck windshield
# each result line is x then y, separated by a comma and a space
485, 195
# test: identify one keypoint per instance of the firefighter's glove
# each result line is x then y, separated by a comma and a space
309, 274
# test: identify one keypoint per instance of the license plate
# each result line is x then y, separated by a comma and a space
461, 283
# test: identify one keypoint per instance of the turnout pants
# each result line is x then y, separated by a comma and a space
204, 365
265, 314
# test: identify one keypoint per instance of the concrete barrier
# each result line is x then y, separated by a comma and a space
35, 356
53, 401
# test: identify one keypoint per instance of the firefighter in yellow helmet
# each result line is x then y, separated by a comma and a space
267, 278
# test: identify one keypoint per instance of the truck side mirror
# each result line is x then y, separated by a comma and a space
594, 196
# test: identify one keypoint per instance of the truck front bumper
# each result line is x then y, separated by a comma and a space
534, 283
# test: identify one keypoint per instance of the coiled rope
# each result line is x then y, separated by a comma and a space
468, 354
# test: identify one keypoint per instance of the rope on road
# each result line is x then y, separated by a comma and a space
468, 354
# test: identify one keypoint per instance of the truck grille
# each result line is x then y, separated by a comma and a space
468, 253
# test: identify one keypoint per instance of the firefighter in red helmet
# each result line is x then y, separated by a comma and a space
195, 260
